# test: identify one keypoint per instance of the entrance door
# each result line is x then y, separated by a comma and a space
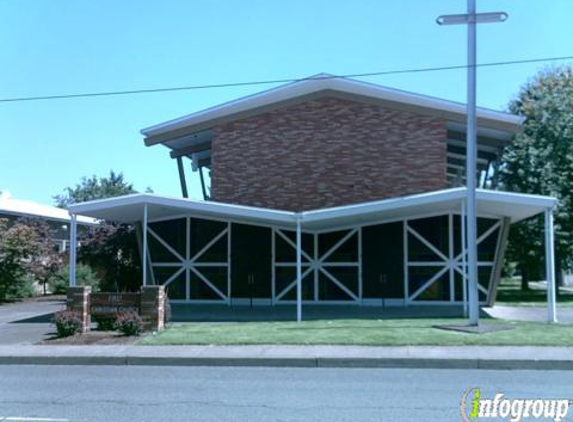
250, 265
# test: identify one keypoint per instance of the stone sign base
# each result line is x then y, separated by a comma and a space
78, 301
149, 304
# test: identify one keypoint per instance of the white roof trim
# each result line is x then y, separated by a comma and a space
513, 205
319, 83
205, 207
428, 198
19, 208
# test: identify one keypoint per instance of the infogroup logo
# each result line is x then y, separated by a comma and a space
474, 407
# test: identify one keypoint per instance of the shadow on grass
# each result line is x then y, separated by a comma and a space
510, 291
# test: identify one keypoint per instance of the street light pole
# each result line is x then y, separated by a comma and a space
471, 19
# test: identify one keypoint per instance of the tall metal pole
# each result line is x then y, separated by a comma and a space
473, 296
464, 241
550, 266
471, 19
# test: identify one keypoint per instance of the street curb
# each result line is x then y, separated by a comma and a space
541, 365
63, 360
217, 361
412, 363
289, 362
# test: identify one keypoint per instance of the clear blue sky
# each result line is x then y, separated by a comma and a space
60, 47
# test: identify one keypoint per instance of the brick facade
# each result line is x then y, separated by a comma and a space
327, 152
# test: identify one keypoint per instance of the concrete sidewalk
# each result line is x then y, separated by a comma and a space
471, 357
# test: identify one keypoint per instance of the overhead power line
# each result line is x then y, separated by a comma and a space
276, 81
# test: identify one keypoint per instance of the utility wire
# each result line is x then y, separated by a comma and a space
276, 81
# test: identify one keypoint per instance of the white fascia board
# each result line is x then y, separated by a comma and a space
540, 201
406, 97
206, 207
236, 211
101, 204
320, 83
259, 99
19, 208
288, 218
537, 201
383, 205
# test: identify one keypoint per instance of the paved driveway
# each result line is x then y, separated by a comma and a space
529, 313
27, 322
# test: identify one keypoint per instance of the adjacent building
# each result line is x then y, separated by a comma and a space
57, 218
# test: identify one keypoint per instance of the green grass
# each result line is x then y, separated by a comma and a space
397, 332
510, 294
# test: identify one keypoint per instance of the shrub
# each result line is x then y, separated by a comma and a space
85, 276
105, 323
25, 286
67, 323
129, 323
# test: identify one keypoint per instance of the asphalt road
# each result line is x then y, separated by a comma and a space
131, 394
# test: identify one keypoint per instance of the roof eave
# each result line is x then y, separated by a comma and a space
288, 93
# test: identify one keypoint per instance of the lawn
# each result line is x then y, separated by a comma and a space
396, 332
510, 294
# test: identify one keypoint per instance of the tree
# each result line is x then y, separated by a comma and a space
540, 161
109, 248
27, 254
95, 188
45, 260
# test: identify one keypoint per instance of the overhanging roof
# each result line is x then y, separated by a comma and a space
19, 208
191, 129
490, 203
129, 209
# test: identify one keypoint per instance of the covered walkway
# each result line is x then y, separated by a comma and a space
396, 252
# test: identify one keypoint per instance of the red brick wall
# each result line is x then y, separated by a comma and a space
327, 152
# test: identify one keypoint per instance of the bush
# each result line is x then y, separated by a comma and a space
129, 323
105, 323
85, 276
25, 286
67, 323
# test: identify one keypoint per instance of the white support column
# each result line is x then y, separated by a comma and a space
550, 266
451, 260
229, 263
73, 248
273, 267
406, 275
298, 270
464, 265
316, 269
188, 258
144, 254
360, 264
